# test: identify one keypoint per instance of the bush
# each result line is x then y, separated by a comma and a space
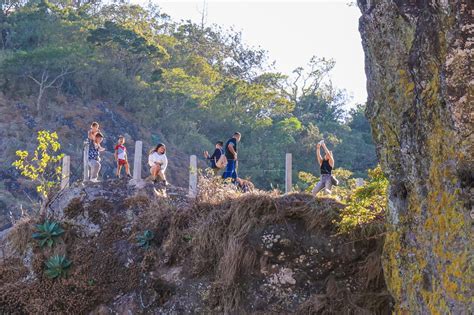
144, 240
366, 206
47, 233
57, 267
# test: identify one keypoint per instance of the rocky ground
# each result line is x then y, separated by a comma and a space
224, 252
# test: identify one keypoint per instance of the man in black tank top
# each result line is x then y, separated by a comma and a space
326, 165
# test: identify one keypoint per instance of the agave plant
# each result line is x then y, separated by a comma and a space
144, 240
47, 232
57, 266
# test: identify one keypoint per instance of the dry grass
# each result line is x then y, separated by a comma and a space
209, 237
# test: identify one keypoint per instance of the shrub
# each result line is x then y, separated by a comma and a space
47, 233
144, 240
366, 205
57, 267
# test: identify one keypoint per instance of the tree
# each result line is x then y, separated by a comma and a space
42, 166
45, 66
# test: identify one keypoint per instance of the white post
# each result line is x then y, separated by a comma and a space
86, 160
193, 176
137, 161
288, 174
65, 172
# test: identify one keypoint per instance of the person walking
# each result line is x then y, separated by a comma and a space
218, 152
326, 165
231, 155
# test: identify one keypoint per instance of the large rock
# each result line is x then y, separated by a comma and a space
420, 103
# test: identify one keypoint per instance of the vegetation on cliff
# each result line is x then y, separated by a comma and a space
230, 252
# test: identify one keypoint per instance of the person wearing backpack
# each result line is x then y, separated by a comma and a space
231, 155
217, 158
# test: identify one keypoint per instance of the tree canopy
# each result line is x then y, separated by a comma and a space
194, 83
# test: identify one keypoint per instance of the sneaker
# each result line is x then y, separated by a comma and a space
129, 176
94, 180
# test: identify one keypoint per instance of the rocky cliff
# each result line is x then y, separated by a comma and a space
224, 252
420, 85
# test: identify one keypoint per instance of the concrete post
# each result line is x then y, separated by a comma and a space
85, 161
65, 172
137, 161
288, 173
193, 173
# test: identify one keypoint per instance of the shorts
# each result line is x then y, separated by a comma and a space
122, 162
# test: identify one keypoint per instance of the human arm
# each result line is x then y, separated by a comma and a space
231, 149
318, 154
331, 158
116, 154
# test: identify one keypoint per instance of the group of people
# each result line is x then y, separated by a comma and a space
224, 158
157, 159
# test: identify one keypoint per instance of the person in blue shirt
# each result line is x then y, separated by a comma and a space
215, 156
231, 155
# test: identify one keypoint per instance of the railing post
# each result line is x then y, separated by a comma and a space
65, 172
137, 161
288, 173
85, 160
193, 176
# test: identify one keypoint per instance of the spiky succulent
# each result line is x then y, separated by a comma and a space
144, 240
57, 266
47, 232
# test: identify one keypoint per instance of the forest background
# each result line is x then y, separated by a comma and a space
66, 63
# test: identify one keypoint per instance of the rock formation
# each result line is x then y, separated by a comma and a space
256, 253
420, 103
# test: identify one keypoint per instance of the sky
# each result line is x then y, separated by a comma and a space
291, 32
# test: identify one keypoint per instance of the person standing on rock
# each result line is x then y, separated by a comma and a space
326, 165
158, 162
231, 155
121, 157
94, 159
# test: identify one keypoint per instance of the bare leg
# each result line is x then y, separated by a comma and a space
127, 168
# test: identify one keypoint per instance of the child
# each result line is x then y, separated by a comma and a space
121, 157
92, 133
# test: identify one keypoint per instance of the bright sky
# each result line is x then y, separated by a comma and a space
291, 32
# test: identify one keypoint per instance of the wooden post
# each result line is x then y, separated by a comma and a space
65, 172
193, 176
288, 173
86, 161
137, 161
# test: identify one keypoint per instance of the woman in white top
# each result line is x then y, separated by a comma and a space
158, 162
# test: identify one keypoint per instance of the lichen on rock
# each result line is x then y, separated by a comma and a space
420, 103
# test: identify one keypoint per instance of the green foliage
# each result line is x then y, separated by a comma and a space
42, 166
57, 266
144, 240
366, 206
47, 233
194, 85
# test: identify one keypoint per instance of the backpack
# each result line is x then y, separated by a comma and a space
222, 162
